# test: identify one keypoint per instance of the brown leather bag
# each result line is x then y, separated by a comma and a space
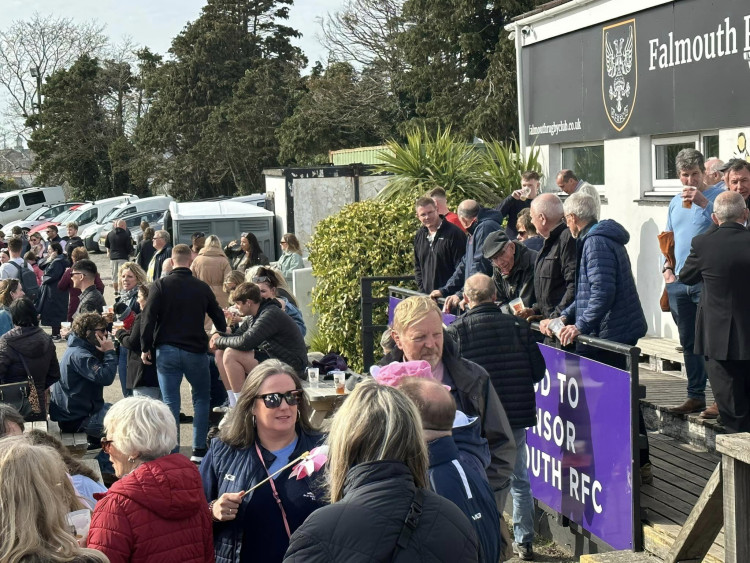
666, 245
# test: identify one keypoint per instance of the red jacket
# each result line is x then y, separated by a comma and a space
156, 514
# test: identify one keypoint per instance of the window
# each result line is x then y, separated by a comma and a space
13, 202
86, 217
34, 198
664, 174
586, 161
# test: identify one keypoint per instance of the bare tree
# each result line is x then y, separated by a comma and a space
45, 44
362, 32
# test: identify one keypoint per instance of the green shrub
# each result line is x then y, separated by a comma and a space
368, 238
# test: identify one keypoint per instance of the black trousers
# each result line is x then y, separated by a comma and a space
730, 381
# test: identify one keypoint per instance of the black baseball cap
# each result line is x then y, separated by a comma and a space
494, 244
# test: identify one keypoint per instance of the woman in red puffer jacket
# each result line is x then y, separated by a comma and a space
156, 512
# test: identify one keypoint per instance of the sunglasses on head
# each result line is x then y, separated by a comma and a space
273, 400
261, 279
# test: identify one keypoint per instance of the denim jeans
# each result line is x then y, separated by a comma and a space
171, 364
153, 392
520, 491
122, 368
683, 303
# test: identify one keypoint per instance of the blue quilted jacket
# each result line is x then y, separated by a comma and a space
606, 303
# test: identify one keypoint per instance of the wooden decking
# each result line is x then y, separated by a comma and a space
680, 474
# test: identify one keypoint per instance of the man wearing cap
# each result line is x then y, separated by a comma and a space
513, 268
119, 245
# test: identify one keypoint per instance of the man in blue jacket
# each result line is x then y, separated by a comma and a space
606, 303
453, 474
479, 223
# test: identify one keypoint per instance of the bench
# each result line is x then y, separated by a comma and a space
76, 442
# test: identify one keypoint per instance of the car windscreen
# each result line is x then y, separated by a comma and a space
41, 213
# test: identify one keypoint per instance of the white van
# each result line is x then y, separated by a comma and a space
19, 204
94, 211
92, 232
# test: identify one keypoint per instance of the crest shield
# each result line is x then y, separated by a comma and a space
619, 72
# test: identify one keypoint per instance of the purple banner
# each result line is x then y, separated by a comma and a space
579, 453
393, 301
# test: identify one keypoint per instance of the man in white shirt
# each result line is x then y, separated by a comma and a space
9, 269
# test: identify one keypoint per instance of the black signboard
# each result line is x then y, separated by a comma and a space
683, 66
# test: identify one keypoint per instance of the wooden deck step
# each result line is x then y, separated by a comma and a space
618, 557
681, 472
660, 354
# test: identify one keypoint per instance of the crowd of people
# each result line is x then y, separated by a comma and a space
419, 460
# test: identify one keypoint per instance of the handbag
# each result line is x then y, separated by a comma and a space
22, 395
666, 245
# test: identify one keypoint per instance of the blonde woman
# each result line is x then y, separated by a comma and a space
36, 495
291, 257
212, 266
377, 471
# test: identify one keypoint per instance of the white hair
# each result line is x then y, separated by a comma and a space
581, 205
548, 205
143, 426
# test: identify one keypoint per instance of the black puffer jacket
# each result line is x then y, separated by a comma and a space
502, 345
555, 273
475, 396
38, 350
365, 524
275, 333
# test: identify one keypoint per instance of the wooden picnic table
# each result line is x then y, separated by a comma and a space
323, 400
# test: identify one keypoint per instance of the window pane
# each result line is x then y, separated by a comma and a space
586, 162
664, 156
710, 146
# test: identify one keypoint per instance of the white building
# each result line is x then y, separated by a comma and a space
613, 89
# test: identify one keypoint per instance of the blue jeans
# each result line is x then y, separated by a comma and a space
171, 364
520, 491
122, 367
683, 303
153, 392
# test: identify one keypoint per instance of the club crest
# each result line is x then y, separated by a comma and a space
619, 72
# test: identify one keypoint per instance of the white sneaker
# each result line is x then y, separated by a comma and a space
222, 408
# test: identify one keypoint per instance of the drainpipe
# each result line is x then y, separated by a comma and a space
519, 90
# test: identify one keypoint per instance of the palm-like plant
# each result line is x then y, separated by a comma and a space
426, 162
503, 165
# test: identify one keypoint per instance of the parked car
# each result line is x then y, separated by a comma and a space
91, 234
133, 221
96, 210
42, 215
57, 220
18, 204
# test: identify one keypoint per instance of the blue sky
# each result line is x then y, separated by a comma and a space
154, 23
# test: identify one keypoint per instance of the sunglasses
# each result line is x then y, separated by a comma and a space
199, 235
261, 279
522, 233
273, 400
106, 445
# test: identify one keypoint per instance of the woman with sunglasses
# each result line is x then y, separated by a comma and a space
248, 254
266, 430
156, 511
291, 257
527, 231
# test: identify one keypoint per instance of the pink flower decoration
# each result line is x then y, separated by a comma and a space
311, 463
391, 374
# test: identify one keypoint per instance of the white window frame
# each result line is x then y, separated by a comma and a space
670, 186
599, 187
